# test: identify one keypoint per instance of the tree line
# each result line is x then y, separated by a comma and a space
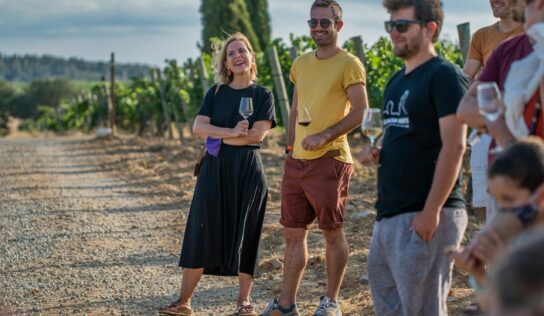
158, 99
27, 68
173, 94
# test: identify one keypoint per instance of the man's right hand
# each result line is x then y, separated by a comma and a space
369, 155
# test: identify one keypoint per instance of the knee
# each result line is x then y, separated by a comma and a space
294, 237
334, 237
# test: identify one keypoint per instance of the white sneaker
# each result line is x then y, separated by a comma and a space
327, 308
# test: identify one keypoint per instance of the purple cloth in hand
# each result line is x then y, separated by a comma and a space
213, 145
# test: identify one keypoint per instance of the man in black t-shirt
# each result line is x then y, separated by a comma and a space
420, 208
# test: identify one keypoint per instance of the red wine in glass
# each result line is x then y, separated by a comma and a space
303, 116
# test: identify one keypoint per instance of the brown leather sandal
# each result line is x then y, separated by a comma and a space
246, 310
176, 309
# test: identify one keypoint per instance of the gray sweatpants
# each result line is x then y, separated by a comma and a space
407, 275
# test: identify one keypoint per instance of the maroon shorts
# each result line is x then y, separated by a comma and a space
314, 188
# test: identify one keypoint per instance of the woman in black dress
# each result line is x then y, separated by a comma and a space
227, 212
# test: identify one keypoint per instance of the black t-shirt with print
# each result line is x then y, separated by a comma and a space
222, 108
413, 105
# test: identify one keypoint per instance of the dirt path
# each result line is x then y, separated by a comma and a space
95, 227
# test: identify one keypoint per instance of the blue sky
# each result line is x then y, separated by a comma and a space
149, 31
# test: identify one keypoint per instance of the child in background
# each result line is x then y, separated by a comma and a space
514, 180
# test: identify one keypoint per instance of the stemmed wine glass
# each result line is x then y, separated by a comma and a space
246, 107
372, 125
489, 104
303, 116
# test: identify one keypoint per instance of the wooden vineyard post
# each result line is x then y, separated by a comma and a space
166, 113
279, 83
111, 102
464, 39
359, 49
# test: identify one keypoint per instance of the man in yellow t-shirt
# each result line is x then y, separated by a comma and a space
328, 101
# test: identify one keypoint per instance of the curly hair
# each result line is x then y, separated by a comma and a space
221, 73
426, 11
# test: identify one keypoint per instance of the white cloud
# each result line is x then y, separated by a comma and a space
151, 30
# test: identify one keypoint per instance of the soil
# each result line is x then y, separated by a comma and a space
95, 226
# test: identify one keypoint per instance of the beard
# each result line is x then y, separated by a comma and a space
410, 48
323, 41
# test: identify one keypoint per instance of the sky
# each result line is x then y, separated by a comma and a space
150, 31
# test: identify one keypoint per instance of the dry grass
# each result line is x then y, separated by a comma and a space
167, 166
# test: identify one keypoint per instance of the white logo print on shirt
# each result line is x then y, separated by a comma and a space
398, 116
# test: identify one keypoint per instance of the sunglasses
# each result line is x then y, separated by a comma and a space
401, 25
325, 23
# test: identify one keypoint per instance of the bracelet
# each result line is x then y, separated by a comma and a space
288, 149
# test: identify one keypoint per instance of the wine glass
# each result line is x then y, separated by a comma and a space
490, 105
246, 107
489, 100
372, 125
303, 116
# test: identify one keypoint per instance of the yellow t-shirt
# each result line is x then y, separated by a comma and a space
321, 87
486, 39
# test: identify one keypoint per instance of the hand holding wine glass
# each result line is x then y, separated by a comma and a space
489, 101
246, 107
372, 125
490, 104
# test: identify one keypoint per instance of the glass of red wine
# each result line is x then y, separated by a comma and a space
303, 116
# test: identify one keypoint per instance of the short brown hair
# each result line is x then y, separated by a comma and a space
426, 11
522, 162
221, 74
335, 7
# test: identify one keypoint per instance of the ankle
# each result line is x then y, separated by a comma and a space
243, 301
184, 302
285, 304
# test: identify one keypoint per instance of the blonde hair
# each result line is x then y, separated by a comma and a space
220, 56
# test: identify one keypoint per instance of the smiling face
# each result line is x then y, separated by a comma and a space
407, 44
500, 8
239, 58
324, 37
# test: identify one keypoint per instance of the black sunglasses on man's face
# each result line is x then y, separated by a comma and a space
401, 25
325, 23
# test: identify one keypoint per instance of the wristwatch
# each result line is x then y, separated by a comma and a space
288, 149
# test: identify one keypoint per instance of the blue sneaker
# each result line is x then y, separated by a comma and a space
327, 308
274, 309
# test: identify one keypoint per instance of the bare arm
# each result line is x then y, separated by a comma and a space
357, 97
467, 111
291, 127
254, 135
203, 128
448, 165
472, 66
500, 132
